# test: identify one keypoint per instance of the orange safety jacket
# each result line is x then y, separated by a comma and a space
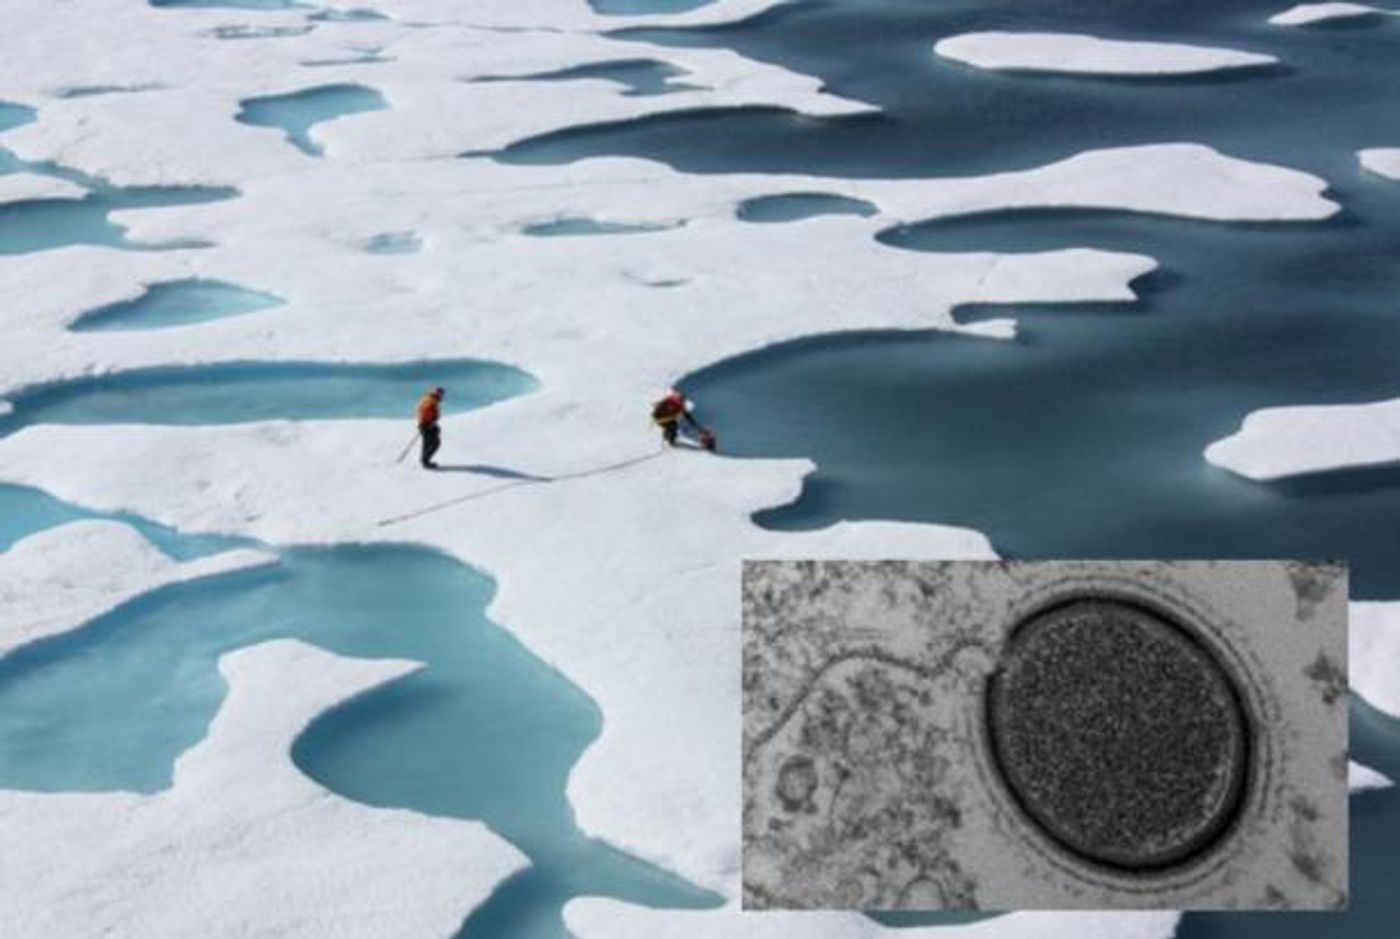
427, 410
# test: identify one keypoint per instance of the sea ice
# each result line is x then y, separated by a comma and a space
1374, 639
58, 579
1287, 441
1363, 778
1090, 55
26, 187
244, 844
1384, 161
1308, 13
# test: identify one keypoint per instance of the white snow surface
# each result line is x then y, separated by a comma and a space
1364, 779
244, 844
24, 187
1373, 641
1287, 441
1305, 14
626, 579
597, 918
1384, 161
1090, 55
58, 579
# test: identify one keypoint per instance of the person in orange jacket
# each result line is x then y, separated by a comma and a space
428, 430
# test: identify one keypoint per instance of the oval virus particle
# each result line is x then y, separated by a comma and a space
1118, 733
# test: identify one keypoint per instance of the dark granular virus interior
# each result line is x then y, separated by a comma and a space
1118, 733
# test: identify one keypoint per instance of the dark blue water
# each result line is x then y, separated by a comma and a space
176, 303
243, 392
1332, 95
1084, 436
298, 112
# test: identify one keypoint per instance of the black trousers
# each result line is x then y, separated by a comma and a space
431, 436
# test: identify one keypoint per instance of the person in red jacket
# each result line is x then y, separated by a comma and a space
428, 430
670, 411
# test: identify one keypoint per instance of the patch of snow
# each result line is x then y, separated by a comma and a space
25, 187
243, 844
1288, 441
1364, 779
1384, 161
598, 918
58, 579
1373, 636
1090, 55
1305, 14
119, 137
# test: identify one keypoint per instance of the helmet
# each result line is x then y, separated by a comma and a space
438, 392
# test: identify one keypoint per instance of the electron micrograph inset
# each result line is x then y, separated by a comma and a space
1015, 735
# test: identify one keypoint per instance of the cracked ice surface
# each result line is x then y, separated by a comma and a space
1090, 55
243, 843
648, 626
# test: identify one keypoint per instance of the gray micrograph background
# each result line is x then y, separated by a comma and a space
1049, 735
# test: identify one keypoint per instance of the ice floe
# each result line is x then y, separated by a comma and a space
1384, 161
25, 187
1364, 779
1288, 441
1090, 55
1373, 634
56, 580
243, 844
1305, 14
